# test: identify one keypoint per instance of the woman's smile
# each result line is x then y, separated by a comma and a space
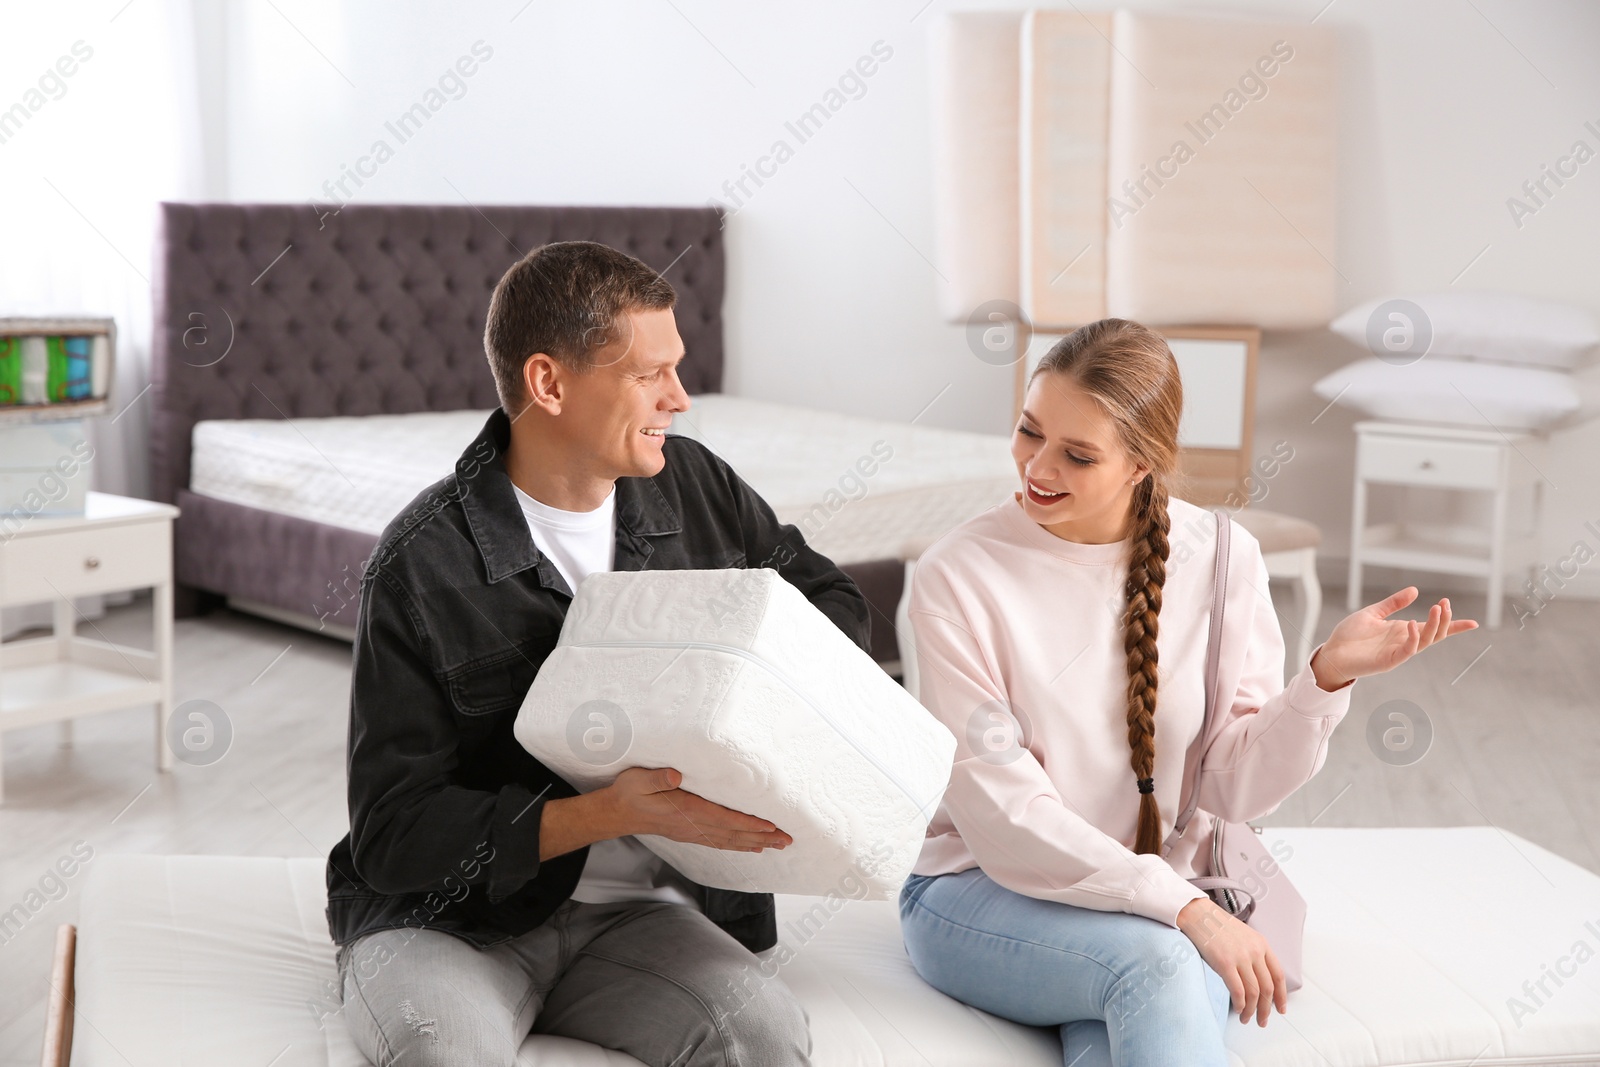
1042, 497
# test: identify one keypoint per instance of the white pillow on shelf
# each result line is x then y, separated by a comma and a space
1482, 325
1454, 392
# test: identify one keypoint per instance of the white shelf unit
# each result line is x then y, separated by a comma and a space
1452, 458
117, 544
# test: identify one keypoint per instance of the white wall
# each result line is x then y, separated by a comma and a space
1447, 108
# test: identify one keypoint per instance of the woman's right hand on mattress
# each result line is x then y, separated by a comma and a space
647, 800
1240, 955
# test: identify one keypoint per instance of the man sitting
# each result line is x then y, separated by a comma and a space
477, 897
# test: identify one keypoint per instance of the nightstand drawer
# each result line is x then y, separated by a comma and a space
80, 562
1413, 461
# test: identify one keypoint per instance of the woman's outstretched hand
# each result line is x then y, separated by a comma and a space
1369, 642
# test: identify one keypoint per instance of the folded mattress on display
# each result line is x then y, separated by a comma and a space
1176, 169
733, 678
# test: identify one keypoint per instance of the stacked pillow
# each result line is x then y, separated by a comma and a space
1480, 359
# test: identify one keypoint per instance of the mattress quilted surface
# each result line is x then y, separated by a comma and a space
1421, 949
733, 678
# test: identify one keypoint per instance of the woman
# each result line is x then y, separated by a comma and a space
1062, 639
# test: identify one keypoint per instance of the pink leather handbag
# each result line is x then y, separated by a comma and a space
1244, 878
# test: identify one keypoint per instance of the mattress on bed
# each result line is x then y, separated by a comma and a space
357, 472
1423, 947
857, 488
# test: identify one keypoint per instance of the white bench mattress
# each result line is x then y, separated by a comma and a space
1416, 941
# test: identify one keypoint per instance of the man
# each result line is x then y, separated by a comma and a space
477, 896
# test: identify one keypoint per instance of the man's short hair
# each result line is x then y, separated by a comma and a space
565, 299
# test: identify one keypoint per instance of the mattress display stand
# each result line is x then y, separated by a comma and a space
117, 544
1445, 457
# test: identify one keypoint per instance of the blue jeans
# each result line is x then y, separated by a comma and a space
1125, 990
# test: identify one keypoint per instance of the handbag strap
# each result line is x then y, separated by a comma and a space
1207, 883
1191, 770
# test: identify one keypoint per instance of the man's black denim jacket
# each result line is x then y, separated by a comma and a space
458, 610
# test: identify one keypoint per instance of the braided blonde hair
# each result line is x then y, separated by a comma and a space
1130, 371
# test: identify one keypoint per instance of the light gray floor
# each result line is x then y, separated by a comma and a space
1516, 744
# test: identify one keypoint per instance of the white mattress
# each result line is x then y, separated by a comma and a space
359, 472
764, 706
973, 55
1065, 111
1415, 942
1242, 231
1245, 232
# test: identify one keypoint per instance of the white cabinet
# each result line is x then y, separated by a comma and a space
118, 543
1443, 457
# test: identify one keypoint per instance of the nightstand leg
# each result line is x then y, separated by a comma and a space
161, 607
1534, 534
1358, 526
1497, 553
64, 626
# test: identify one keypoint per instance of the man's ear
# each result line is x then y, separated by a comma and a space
542, 383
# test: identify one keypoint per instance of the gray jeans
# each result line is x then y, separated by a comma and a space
658, 981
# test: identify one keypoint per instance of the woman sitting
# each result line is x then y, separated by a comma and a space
1060, 636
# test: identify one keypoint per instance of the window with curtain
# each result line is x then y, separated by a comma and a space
99, 122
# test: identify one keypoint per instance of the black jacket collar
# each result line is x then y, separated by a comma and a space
501, 532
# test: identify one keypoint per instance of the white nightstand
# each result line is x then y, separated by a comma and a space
1443, 457
118, 543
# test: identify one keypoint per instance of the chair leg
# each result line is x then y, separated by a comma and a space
1310, 603
902, 632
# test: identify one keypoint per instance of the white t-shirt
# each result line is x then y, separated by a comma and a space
581, 543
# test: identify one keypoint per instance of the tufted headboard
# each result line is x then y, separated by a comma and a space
284, 310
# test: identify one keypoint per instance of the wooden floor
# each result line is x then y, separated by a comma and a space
1516, 744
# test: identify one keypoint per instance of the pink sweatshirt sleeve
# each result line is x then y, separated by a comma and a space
1272, 739
1017, 825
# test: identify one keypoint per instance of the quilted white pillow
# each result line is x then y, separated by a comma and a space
736, 680
1502, 327
1456, 392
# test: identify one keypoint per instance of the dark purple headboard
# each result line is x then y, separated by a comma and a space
284, 310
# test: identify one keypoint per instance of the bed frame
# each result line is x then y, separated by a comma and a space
296, 311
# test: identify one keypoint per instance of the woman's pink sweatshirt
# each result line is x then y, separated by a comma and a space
1007, 616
